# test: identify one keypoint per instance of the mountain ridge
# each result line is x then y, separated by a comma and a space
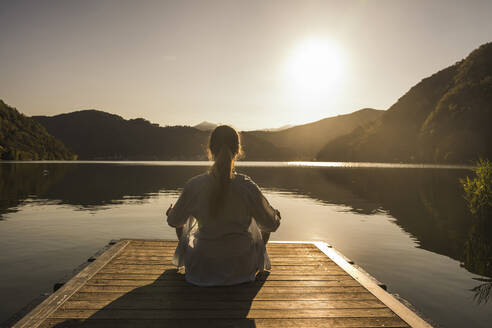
94, 134
205, 126
22, 138
443, 118
307, 139
97, 135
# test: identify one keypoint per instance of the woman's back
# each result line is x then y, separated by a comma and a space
225, 248
242, 200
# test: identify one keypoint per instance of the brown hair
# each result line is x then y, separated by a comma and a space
224, 146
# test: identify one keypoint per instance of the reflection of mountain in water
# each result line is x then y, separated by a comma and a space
95, 185
21, 181
86, 185
427, 203
478, 256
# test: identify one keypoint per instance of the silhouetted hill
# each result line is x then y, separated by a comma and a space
444, 118
205, 126
95, 134
22, 138
283, 127
306, 140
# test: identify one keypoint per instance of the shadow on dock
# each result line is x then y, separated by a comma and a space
169, 301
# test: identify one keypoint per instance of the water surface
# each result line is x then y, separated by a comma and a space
407, 225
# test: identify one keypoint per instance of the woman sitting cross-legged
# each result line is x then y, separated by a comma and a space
222, 220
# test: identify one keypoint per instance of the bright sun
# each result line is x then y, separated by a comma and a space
315, 68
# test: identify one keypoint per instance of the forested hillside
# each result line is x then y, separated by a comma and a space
444, 118
95, 134
22, 138
305, 141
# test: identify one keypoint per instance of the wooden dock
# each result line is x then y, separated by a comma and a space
134, 284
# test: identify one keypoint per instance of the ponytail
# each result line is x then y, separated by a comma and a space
224, 146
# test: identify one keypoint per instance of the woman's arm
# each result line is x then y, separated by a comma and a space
179, 229
266, 235
179, 232
179, 213
266, 217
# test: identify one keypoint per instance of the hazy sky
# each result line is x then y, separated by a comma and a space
252, 64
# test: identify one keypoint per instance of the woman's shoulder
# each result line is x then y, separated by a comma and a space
246, 181
240, 177
197, 180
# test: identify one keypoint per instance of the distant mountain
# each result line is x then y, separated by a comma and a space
22, 138
205, 126
444, 118
94, 134
208, 126
283, 127
306, 140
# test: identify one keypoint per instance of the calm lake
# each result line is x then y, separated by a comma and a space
408, 226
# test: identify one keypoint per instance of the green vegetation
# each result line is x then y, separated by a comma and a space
478, 191
444, 118
478, 247
22, 138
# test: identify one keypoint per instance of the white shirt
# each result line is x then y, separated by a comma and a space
226, 249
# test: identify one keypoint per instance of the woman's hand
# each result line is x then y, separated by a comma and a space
278, 214
179, 232
169, 209
265, 236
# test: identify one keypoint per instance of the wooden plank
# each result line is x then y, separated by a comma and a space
272, 261
170, 251
391, 322
183, 304
107, 314
401, 310
136, 241
176, 283
180, 277
172, 243
296, 267
262, 296
279, 269
277, 249
50, 305
285, 248
151, 256
290, 245
282, 270
272, 254
223, 289
168, 258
